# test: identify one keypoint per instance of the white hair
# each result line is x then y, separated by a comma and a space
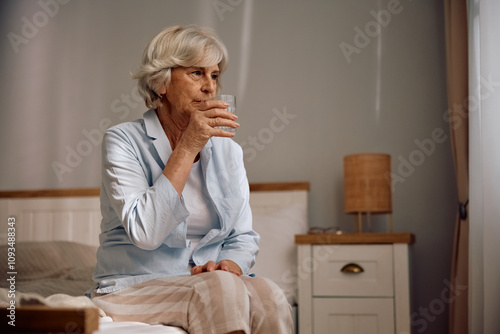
177, 46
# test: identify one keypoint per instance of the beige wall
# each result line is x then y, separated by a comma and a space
316, 80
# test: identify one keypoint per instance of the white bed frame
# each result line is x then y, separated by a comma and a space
280, 211
74, 214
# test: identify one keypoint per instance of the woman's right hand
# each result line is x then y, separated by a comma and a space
204, 118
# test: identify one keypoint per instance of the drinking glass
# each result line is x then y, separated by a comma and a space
231, 99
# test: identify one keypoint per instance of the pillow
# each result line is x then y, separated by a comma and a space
36, 260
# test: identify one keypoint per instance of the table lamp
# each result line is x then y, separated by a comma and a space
367, 186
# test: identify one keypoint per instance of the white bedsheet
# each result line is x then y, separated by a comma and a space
107, 326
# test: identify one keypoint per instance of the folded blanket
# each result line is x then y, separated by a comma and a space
56, 300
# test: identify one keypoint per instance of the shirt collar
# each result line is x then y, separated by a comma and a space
155, 131
152, 124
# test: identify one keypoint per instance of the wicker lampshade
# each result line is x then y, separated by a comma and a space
367, 183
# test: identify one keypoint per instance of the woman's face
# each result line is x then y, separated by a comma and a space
189, 86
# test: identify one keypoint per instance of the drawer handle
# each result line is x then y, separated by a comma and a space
352, 268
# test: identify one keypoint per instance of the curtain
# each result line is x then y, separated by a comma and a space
484, 166
457, 89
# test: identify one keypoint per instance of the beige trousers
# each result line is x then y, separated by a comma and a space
214, 302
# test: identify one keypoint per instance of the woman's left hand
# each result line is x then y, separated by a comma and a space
225, 265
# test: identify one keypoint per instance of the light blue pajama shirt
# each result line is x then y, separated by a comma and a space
143, 229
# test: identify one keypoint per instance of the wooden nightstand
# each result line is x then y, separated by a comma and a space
353, 283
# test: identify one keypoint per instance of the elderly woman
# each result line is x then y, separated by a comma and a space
177, 242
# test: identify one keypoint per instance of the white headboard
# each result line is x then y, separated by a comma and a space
74, 214
279, 212
50, 215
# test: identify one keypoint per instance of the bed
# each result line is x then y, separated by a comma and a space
56, 238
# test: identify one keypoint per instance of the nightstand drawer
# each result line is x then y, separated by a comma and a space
368, 270
353, 315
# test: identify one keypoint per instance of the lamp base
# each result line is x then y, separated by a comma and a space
359, 221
